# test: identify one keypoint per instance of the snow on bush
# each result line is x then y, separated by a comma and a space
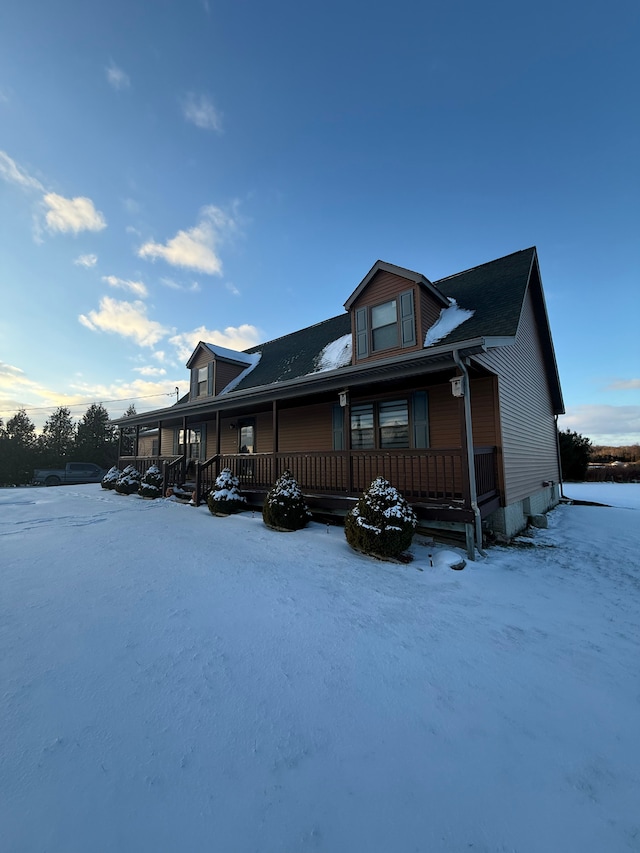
151, 485
225, 497
284, 506
128, 482
382, 523
110, 478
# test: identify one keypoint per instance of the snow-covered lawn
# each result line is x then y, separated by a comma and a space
171, 681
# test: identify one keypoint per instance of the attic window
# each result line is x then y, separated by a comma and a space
384, 326
203, 381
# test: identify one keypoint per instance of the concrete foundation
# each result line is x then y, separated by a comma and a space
510, 520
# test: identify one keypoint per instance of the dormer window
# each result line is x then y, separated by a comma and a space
203, 381
384, 326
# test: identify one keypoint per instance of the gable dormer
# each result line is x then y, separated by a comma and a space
391, 310
213, 368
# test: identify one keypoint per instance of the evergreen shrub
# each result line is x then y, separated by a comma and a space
110, 478
284, 506
382, 523
151, 485
128, 482
225, 497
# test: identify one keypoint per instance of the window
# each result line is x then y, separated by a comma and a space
195, 443
203, 381
387, 326
384, 326
393, 424
387, 424
247, 437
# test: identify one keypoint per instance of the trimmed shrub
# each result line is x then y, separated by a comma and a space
151, 485
382, 523
225, 497
284, 506
110, 478
128, 482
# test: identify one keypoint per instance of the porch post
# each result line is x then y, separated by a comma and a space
471, 498
159, 439
346, 433
120, 432
135, 448
275, 440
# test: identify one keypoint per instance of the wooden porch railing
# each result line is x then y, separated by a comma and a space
421, 475
428, 475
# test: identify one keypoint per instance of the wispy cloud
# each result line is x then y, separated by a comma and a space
614, 425
150, 371
198, 247
234, 337
172, 284
116, 77
135, 287
11, 172
128, 319
232, 289
72, 215
86, 261
624, 385
199, 110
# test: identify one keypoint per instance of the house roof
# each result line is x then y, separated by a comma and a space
494, 292
383, 266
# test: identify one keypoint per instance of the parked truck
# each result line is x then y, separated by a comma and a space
72, 473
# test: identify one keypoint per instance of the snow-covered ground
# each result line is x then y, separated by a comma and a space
171, 681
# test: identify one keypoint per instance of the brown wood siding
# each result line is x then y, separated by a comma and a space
224, 373
306, 428
229, 435
203, 358
526, 412
166, 446
428, 314
444, 417
483, 412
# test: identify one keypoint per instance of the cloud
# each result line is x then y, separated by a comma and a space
128, 319
135, 287
624, 385
233, 337
612, 425
117, 78
232, 289
72, 214
172, 284
86, 261
160, 356
150, 371
198, 248
199, 110
12, 173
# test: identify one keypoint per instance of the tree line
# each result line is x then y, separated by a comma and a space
92, 439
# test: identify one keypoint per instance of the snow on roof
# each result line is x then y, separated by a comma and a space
450, 318
253, 358
234, 355
334, 355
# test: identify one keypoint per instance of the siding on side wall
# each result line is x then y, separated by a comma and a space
429, 313
444, 417
167, 441
526, 411
203, 358
483, 412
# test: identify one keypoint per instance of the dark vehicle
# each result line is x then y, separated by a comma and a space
72, 473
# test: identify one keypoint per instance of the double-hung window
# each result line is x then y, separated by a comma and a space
386, 424
384, 326
203, 381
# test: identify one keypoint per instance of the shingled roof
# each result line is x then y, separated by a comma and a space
494, 291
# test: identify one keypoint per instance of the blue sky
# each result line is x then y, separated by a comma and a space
229, 171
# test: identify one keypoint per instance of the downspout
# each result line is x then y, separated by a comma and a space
471, 464
561, 481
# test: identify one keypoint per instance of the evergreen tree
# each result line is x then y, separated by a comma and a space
575, 453
129, 434
18, 449
96, 437
58, 438
382, 523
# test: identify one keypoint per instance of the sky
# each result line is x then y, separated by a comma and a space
229, 171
